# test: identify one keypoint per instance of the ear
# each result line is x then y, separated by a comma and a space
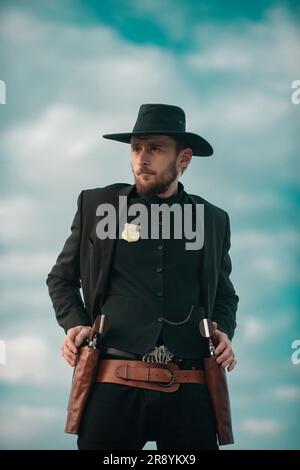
185, 157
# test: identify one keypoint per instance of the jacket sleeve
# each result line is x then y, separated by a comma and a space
64, 279
226, 300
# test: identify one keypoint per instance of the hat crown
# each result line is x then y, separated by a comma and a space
160, 118
164, 119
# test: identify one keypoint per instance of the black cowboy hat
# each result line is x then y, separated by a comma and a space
164, 119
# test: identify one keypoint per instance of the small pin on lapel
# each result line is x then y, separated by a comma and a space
131, 232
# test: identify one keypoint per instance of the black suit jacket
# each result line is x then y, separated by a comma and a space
85, 263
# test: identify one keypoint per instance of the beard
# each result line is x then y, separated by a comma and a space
154, 185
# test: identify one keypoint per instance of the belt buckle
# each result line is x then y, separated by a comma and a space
167, 384
159, 355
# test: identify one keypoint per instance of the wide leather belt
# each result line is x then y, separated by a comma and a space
163, 378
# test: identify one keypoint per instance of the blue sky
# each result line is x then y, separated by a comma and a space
76, 70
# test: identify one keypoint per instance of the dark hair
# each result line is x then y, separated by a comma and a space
180, 143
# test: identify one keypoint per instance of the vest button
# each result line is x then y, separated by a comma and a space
159, 247
160, 319
159, 294
159, 270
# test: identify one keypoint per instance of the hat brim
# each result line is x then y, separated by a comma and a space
199, 146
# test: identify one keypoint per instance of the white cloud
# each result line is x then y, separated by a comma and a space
17, 215
22, 265
253, 330
245, 110
243, 46
25, 297
94, 60
255, 238
256, 331
32, 360
257, 367
170, 15
25, 360
59, 145
53, 149
250, 66
268, 257
243, 202
23, 424
40, 413
262, 427
287, 393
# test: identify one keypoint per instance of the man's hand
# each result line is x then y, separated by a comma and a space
75, 337
224, 351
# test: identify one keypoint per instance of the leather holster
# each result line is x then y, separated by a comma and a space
215, 376
83, 378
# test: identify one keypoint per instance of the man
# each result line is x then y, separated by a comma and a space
154, 290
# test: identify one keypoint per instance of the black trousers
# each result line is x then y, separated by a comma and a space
122, 417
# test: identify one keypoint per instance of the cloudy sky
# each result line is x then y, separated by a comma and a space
75, 70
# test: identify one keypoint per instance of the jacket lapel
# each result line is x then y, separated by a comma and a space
104, 250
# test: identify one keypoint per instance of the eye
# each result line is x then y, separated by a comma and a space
154, 148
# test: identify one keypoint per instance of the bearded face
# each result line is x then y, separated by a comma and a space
154, 164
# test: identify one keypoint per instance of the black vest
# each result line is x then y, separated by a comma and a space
153, 294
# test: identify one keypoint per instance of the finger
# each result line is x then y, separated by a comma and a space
70, 358
228, 361
225, 356
67, 352
69, 343
232, 365
81, 337
215, 326
73, 332
221, 347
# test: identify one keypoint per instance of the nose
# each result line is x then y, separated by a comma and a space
143, 156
